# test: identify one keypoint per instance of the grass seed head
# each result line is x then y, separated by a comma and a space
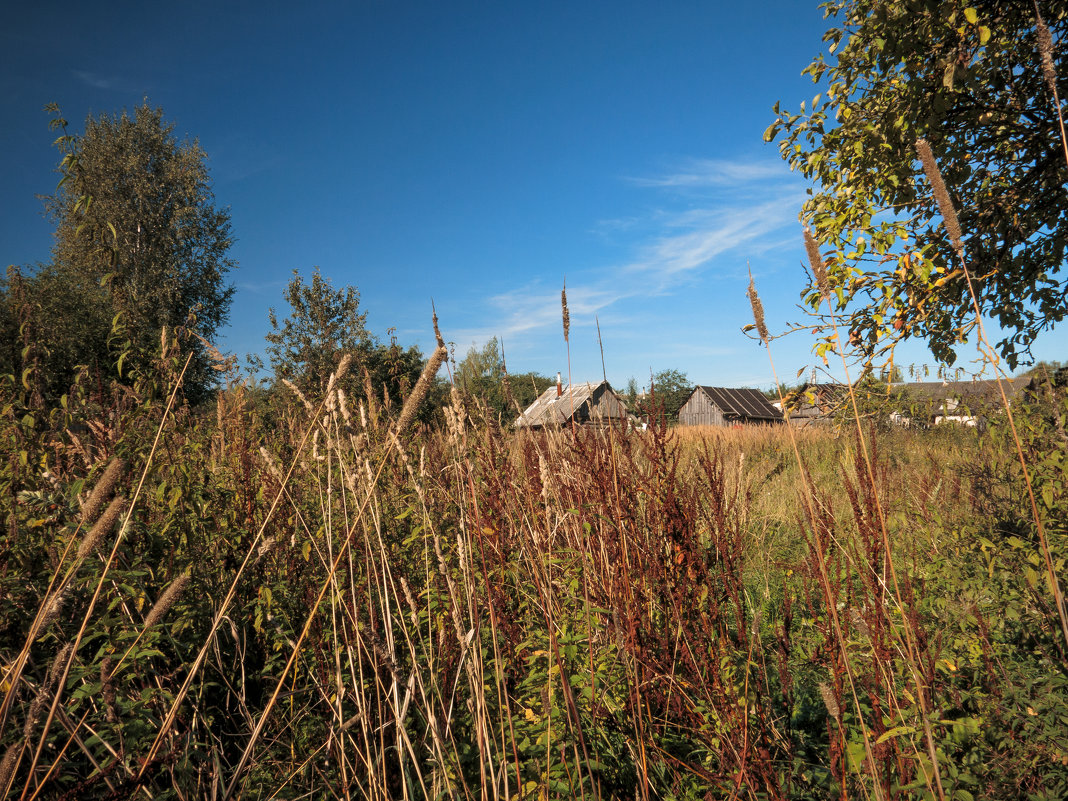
271, 465
566, 313
945, 205
343, 367
815, 260
102, 491
8, 764
59, 664
102, 528
166, 600
422, 386
758, 311
1045, 51
298, 393
55, 606
437, 331
829, 700
342, 402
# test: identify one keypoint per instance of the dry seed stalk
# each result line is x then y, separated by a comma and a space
271, 466
1045, 50
298, 393
103, 527
1049, 72
38, 705
945, 205
166, 600
437, 331
983, 345
829, 700
8, 765
102, 490
422, 386
107, 688
342, 402
819, 269
55, 606
343, 367
758, 310
566, 313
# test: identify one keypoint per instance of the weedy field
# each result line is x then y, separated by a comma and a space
292, 597
378, 591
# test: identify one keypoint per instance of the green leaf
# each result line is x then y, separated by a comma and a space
897, 731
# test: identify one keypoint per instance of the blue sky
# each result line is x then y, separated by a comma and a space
472, 153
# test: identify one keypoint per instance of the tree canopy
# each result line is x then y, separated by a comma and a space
968, 77
325, 324
482, 374
136, 216
671, 387
322, 325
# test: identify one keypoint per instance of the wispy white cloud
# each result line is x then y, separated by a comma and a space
96, 81
708, 233
743, 209
535, 308
697, 173
261, 287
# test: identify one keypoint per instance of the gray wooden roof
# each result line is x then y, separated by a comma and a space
552, 409
745, 403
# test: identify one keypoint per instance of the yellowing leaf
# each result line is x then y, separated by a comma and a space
897, 731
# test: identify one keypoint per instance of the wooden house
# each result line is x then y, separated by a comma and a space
583, 404
813, 404
720, 406
962, 402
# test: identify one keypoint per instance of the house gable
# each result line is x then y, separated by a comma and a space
722, 406
580, 403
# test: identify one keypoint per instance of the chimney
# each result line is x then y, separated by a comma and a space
559, 386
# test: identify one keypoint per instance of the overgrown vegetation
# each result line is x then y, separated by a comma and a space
360, 582
294, 599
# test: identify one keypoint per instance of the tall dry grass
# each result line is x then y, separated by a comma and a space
369, 611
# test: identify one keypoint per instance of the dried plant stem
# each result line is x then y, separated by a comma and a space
1049, 72
59, 587
819, 268
422, 386
566, 313
309, 620
987, 351
102, 490
172, 397
809, 500
228, 599
102, 527
941, 195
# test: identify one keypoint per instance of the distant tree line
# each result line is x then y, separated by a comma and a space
141, 248
141, 257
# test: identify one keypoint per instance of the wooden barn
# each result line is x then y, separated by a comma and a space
585, 404
719, 406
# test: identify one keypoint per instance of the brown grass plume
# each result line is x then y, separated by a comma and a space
945, 205
103, 489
